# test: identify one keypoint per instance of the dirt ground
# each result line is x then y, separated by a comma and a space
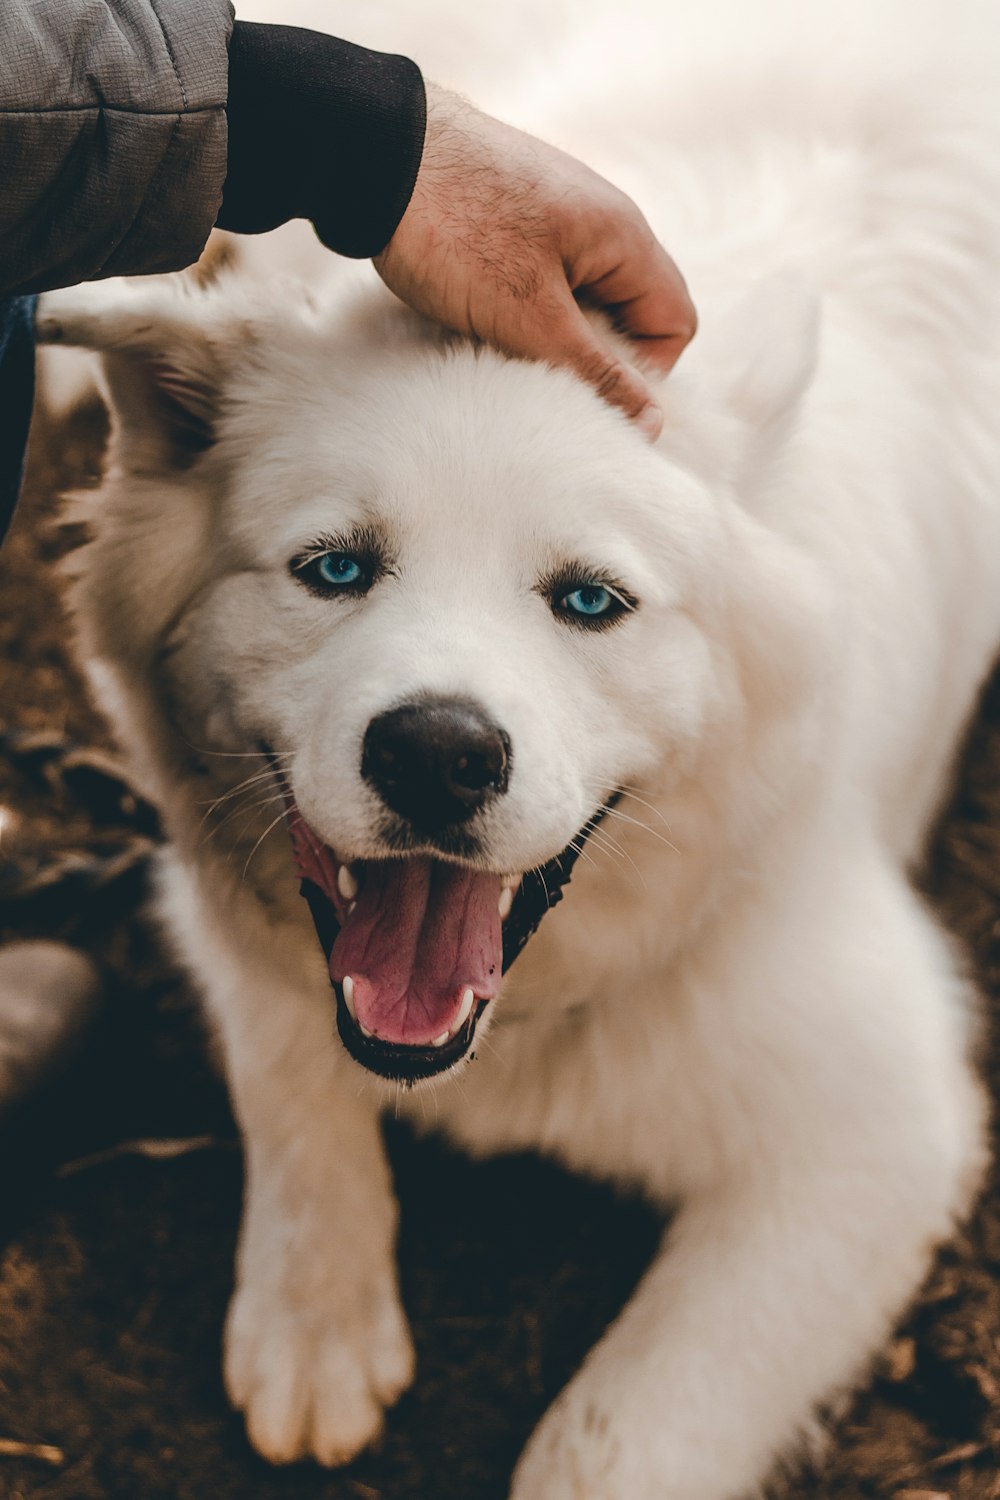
115, 1264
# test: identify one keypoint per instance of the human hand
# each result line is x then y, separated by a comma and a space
501, 232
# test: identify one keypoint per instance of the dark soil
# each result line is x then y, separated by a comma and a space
114, 1272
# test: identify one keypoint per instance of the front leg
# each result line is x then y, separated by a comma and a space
757, 1309
833, 1131
316, 1343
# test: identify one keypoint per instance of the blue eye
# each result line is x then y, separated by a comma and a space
590, 601
579, 600
347, 565
338, 569
327, 573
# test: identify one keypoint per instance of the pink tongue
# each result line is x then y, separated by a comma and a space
421, 934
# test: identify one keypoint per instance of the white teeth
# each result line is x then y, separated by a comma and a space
347, 985
507, 894
347, 883
464, 1013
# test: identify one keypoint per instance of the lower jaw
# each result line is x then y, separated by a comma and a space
402, 1062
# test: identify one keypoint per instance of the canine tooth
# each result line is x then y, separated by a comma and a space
347, 883
505, 903
347, 985
439, 1041
364, 1030
465, 1012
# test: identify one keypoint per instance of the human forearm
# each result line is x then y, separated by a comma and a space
129, 127
112, 136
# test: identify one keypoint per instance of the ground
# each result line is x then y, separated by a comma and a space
115, 1264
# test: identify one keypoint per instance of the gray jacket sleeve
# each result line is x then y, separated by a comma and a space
112, 136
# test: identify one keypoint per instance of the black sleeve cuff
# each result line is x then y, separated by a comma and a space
322, 130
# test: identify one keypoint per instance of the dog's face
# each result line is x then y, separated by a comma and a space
459, 604
462, 625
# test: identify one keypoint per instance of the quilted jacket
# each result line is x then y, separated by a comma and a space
128, 128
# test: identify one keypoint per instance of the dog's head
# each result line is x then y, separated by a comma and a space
456, 602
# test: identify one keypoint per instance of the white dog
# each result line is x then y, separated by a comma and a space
423, 624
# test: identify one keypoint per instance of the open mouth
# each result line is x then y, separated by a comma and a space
416, 947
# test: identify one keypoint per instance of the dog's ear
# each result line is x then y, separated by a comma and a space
164, 364
762, 351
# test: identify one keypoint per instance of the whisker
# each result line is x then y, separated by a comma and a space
249, 781
601, 789
613, 812
539, 870
249, 809
244, 787
237, 754
580, 849
624, 817
273, 824
602, 840
634, 797
609, 844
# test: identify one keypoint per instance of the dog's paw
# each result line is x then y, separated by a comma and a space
610, 1437
313, 1379
573, 1457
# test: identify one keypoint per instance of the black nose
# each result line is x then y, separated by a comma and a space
435, 761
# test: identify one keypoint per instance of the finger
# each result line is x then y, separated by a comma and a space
570, 342
650, 299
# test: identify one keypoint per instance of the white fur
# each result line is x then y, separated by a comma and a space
741, 1006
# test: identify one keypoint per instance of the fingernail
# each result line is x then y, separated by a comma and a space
650, 421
